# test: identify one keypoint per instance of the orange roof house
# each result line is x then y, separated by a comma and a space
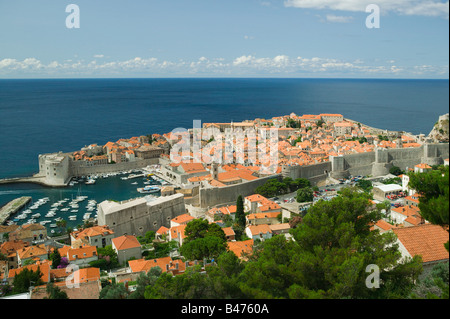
125, 242
165, 263
44, 268
80, 256
260, 232
126, 247
263, 218
241, 248
424, 240
31, 252
177, 233
162, 231
99, 236
181, 220
229, 233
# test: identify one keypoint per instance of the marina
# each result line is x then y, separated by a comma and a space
78, 203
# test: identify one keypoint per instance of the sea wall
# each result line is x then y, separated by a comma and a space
209, 197
379, 162
78, 169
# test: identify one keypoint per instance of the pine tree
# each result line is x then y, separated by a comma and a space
240, 214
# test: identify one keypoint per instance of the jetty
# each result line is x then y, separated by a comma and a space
12, 207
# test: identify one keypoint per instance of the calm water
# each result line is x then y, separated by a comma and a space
104, 189
42, 116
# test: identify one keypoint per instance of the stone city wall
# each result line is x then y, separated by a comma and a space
213, 196
78, 169
136, 217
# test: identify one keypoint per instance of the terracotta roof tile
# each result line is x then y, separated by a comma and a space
424, 240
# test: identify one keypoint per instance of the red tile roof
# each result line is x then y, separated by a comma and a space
424, 240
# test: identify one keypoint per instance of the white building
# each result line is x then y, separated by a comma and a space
382, 191
261, 232
55, 168
405, 188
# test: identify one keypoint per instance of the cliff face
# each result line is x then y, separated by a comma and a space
440, 131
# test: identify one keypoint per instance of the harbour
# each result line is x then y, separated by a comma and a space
77, 203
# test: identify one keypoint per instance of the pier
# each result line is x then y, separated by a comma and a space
36, 179
12, 207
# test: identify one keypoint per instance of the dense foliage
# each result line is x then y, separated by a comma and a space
203, 240
434, 191
328, 259
273, 187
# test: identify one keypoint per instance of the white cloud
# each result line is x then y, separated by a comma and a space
338, 19
405, 7
246, 65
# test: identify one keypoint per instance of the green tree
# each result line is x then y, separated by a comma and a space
300, 183
395, 170
271, 188
114, 291
240, 214
201, 228
433, 186
61, 224
293, 124
144, 280
207, 247
336, 244
305, 194
55, 257
362, 140
25, 279
54, 292
109, 255
435, 285
434, 199
365, 185
203, 240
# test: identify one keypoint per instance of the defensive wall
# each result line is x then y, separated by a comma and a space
375, 163
379, 162
209, 197
138, 216
57, 169
78, 169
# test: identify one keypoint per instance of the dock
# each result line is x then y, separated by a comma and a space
12, 207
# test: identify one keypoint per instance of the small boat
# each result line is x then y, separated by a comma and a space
148, 189
90, 182
36, 215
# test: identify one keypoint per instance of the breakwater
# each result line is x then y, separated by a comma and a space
12, 207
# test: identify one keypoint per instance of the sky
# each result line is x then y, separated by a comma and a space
224, 38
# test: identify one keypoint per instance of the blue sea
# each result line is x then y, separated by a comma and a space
51, 115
